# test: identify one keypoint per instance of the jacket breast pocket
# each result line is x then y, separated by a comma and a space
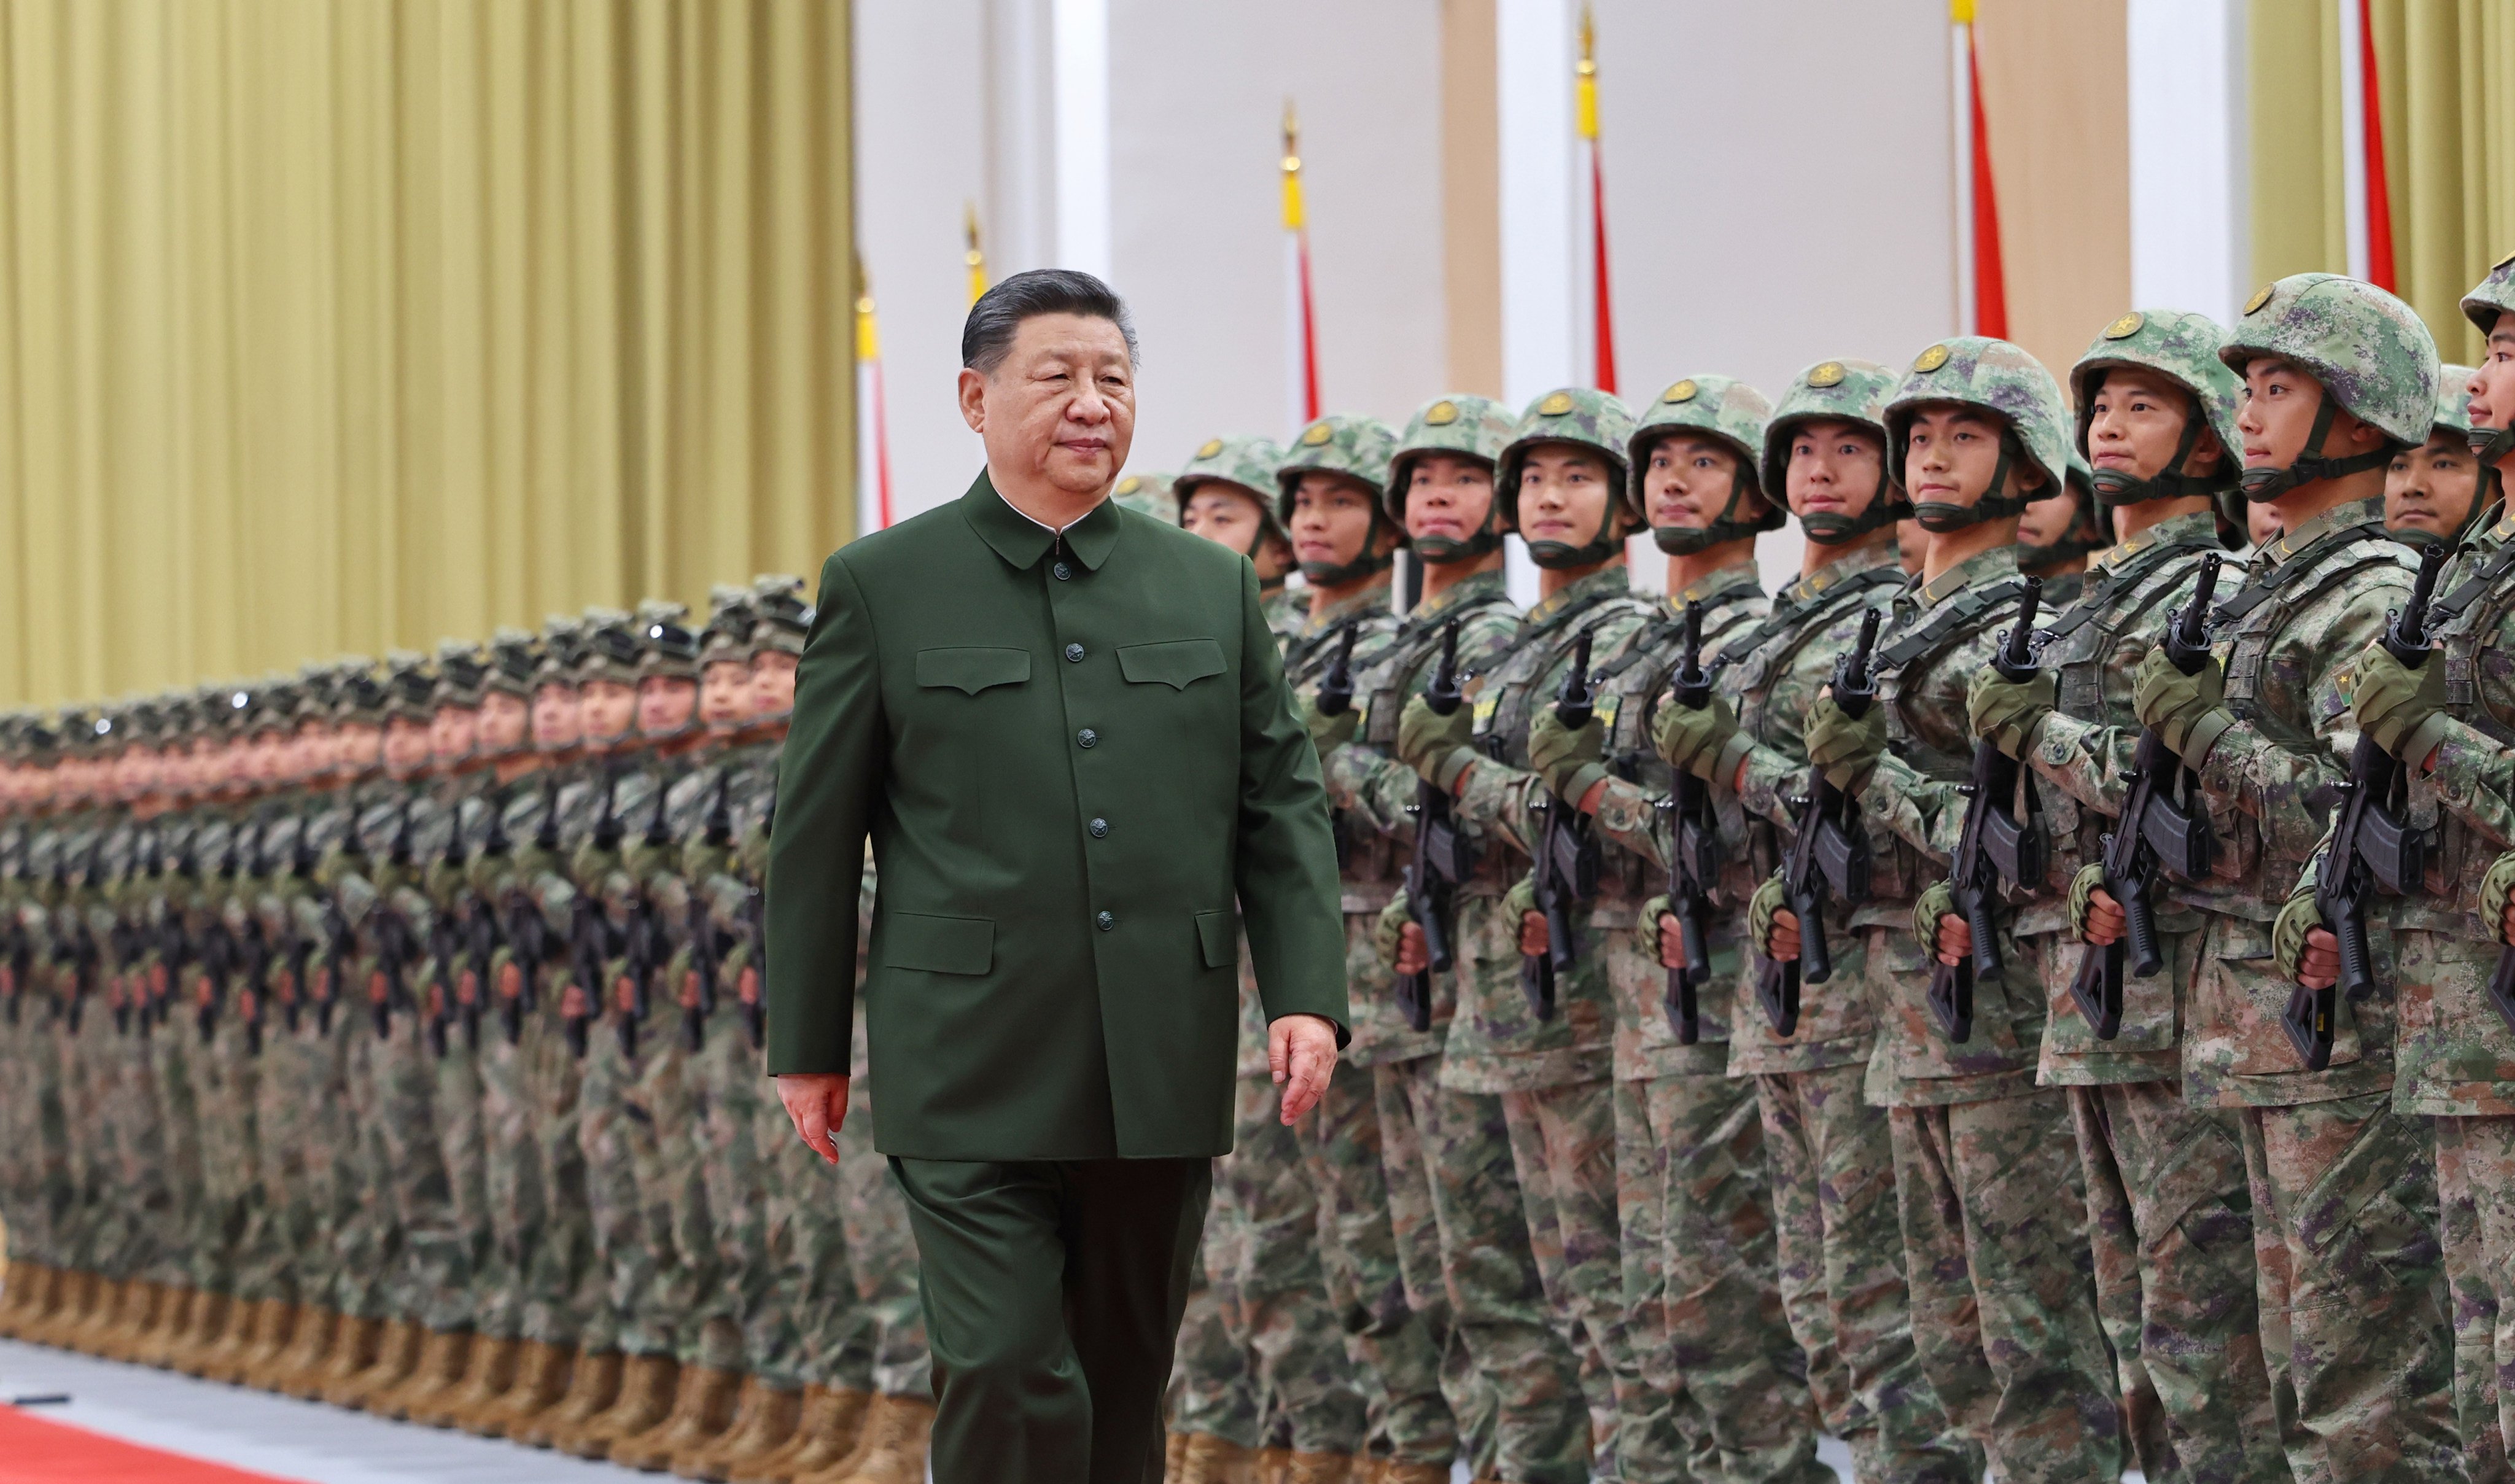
1177, 663
934, 945
972, 668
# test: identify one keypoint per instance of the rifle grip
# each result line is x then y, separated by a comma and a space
1986, 936
1698, 946
1684, 1009
2357, 972
1537, 983
1816, 959
2146, 957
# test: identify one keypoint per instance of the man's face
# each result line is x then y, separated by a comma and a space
453, 732
1687, 481
504, 722
405, 745
2281, 400
357, 746
2049, 520
1060, 407
2430, 488
1331, 520
773, 682
2492, 383
1951, 453
2263, 523
1448, 497
558, 716
666, 704
725, 694
267, 751
1564, 491
1225, 513
310, 750
1836, 469
610, 709
2136, 420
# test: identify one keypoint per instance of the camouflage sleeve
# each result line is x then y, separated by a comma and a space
2088, 760
2474, 775
1768, 780
1498, 801
1627, 814
2249, 771
1927, 813
1368, 784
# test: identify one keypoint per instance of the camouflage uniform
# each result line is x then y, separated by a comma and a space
2170, 1210
2002, 1311
1248, 465
2344, 1194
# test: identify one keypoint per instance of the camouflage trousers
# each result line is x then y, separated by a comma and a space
461, 1144
427, 1261
728, 1091
1308, 1398
2353, 1290
881, 1255
139, 1232
1703, 1294
1838, 1249
626, 1103
510, 1181
2476, 1194
1396, 1348
2170, 1224
172, 1102
565, 1286
829, 1338
345, 1256
1210, 1389
223, 1103
2003, 1304
1409, 1095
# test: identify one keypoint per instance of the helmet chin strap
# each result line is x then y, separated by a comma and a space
1441, 551
1995, 504
1366, 562
1826, 528
1725, 527
2263, 485
2115, 487
1558, 556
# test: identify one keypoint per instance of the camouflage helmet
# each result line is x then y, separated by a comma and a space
1356, 449
666, 645
1469, 427
2453, 401
461, 672
2086, 514
1247, 464
1585, 418
563, 645
1148, 495
1843, 391
2369, 351
318, 685
611, 651
274, 705
410, 692
1724, 409
783, 617
220, 706
727, 637
2492, 296
514, 658
2183, 348
358, 694
1992, 376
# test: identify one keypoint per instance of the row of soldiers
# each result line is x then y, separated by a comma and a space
392, 1036
1902, 1005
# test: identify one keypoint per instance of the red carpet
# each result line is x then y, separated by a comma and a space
33, 1450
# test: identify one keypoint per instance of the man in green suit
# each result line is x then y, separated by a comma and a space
1064, 726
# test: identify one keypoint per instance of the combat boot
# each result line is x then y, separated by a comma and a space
541, 1377
763, 1422
1396, 1472
353, 1348
1321, 1468
895, 1452
441, 1357
130, 1320
702, 1410
1273, 1463
833, 1422
174, 1312
592, 1385
396, 1357
317, 1328
648, 1386
209, 1319
276, 1326
72, 1291
236, 1338
488, 1370
1211, 1460
23, 1290
103, 1306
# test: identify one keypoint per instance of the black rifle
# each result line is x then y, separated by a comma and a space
587, 938
1443, 857
1567, 856
1694, 855
2157, 831
756, 1013
1334, 699
1828, 854
2371, 851
1995, 845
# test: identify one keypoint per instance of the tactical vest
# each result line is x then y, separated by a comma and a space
1768, 649
1395, 676
1900, 870
1632, 685
1507, 701
2465, 620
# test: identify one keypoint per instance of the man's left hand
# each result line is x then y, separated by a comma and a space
817, 1104
1301, 1054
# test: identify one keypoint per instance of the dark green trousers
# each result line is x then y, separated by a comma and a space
1054, 1289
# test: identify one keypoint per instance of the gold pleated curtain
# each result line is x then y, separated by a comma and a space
331, 325
2445, 75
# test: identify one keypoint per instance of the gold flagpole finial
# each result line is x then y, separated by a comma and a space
867, 340
974, 256
1585, 77
1293, 214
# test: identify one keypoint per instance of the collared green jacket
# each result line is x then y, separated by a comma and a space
1075, 755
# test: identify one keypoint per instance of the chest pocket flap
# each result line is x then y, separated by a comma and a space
1177, 663
974, 668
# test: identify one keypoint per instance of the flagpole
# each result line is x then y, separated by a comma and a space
873, 448
1300, 320
1984, 302
1602, 332
1961, 72
972, 256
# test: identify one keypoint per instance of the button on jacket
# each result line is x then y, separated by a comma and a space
1077, 761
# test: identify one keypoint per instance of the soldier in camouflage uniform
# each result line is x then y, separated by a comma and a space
1697, 1222
2434, 492
1440, 491
1542, 1041
2337, 374
1150, 495
2452, 729
2059, 532
2170, 1210
1987, 1177
30, 1100
1227, 493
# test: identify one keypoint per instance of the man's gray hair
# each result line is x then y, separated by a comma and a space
987, 335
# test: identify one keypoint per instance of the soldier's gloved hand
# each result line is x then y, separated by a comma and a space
1439, 748
1389, 931
1646, 925
1845, 745
1702, 740
1771, 926
1519, 905
2009, 711
2094, 916
2401, 708
1327, 732
1932, 914
2293, 940
1569, 758
2188, 710
2497, 895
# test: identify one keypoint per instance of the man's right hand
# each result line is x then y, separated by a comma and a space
817, 1102
1414, 952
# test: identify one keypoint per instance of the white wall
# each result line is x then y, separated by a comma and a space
2188, 192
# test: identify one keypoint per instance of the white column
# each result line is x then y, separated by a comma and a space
1961, 146
1080, 59
1537, 49
2189, 197
2353, 138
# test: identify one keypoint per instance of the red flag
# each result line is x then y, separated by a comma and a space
2380, 201
1300, 314
1990, 285
1602, 336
